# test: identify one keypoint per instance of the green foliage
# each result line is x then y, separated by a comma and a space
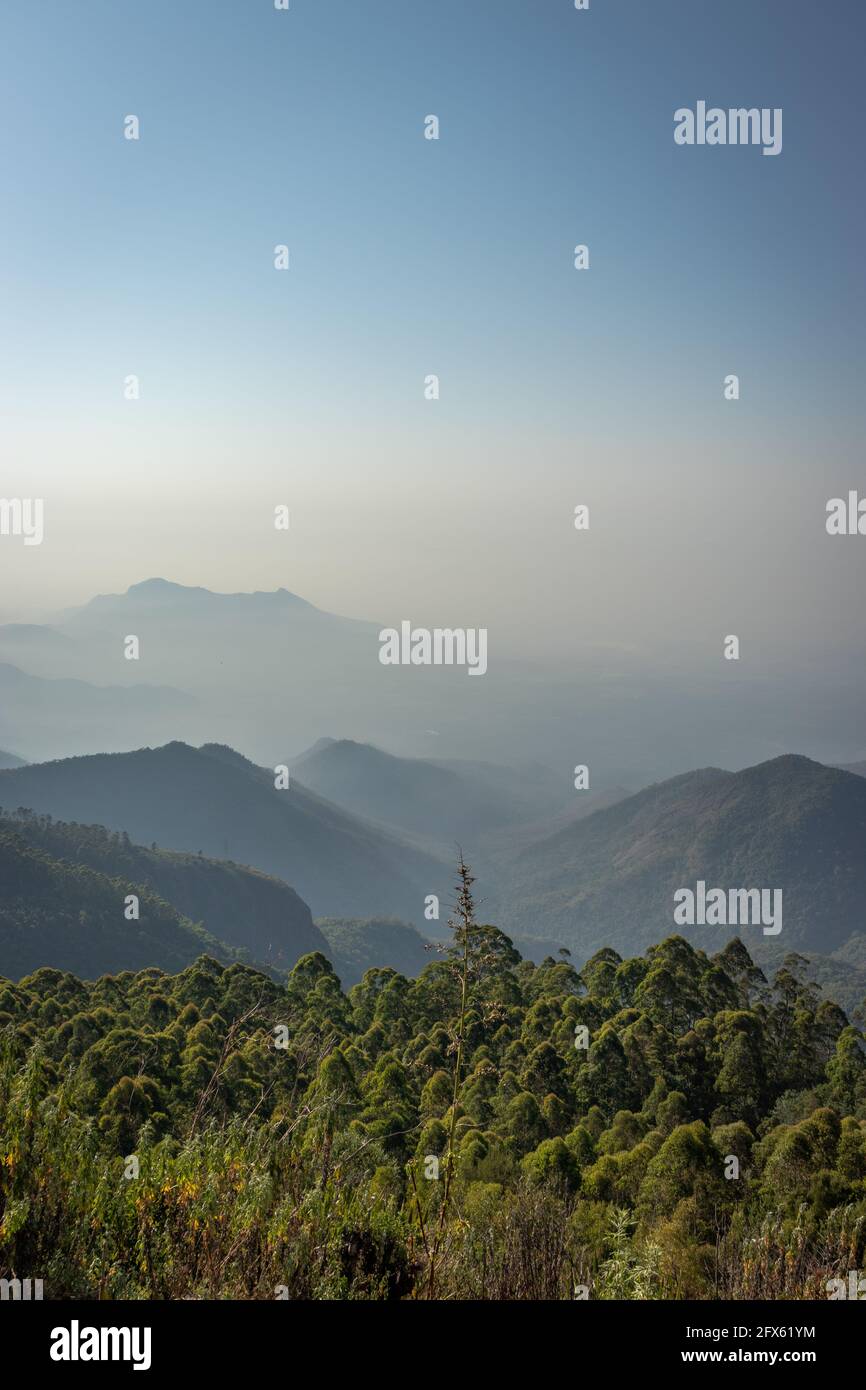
53, 909
432, 1137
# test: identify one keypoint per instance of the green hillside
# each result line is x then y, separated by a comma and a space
71, 917
610, 879
358, 945
239, 906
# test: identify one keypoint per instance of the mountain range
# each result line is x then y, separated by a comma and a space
277, 873
213, 800
51, 716
443, 800
610, 879
267, 672
244, 668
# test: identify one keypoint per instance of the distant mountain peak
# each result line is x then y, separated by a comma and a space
159, 590
167, 587
318, 747
789, 760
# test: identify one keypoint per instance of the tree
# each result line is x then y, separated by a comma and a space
846, 1072
687, 1165
740, 1082
553, 1162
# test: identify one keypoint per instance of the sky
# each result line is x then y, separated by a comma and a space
410, 257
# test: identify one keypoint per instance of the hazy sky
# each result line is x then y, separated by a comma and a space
453, 257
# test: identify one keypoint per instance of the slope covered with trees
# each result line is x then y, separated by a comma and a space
248, 910
356, 946
609, 880
75, 917
671, 1125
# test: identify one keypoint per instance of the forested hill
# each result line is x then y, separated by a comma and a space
68, 914
789, 824
673, 1125
356, 946
240, 906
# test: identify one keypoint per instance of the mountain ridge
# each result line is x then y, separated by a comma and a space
609, 879
240, 907
189, 799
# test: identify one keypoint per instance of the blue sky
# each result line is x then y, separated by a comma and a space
454, 257
305, 126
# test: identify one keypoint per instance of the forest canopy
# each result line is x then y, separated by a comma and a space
670, 1126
